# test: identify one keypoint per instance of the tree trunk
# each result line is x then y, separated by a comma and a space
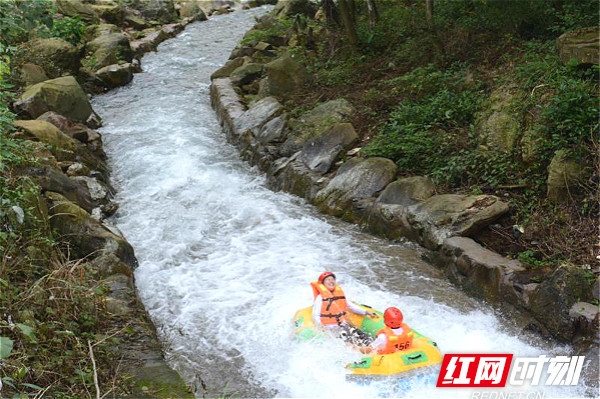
437, 42
330, 12
348, 21
373, 13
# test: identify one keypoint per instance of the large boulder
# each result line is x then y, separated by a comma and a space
272, 131
61, 145
62, 95
190, 9
50, 179
557, 294
257, 115
499, 127
407, 191
320, 152
162, 11
75, 8
315, 122
112, 12
448, 215
32, 74
228, 68
107, 49
581, 45
56, 56
283, 77
75, 130
87, 236
291, 8
565, 174
355, 180
246, 73
115, 75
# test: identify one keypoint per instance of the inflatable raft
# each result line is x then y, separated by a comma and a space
423, 352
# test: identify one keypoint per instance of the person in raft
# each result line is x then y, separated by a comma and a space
393, 337
329, 310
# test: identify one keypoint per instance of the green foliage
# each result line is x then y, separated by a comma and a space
532, 258
19, 17
417, 136
71, 29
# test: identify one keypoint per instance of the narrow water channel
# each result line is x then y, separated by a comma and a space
225, 262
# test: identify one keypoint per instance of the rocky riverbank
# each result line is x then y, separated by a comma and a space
315, 155
71, 189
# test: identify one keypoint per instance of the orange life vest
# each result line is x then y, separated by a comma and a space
395, 342
333, 308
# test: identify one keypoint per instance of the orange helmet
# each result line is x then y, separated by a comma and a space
323, 276
392, 317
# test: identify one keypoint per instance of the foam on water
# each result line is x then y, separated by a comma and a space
225, 262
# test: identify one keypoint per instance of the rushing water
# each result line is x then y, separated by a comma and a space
225, 262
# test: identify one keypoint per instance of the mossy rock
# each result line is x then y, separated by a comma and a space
565, 174
283, 77
355, 180
407, 191
499, 127
315, 122
62, 95
87, 236
56, 56
32, 74
113, 13
76, 8
108, 49
582, 46
63, 147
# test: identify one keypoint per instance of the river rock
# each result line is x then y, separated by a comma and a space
257, 115
443, 216
136, 22
75, 8
407, 191
99, 192
112, 12
32, 74
293, 7
162, 11
77, 169
50, 179
190, 8
56, 56
115, 75
293, 176
564, 175
108, 49
228, 68
320, 152
557, 294
62, 95
483, 273
149, 42
61, 145
283, 77
272, 131
246, 74
499, 128
356, 179
389, 221
86, 235
75, 130
314, 123
582, 45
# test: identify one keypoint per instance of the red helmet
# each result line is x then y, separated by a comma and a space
323, 276
392, 317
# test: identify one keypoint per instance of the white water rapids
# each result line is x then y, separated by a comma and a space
225, 262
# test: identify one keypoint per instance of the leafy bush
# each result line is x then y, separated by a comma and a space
418, 134
19, 17
71, 29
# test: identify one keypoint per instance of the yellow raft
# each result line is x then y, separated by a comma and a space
423, 353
